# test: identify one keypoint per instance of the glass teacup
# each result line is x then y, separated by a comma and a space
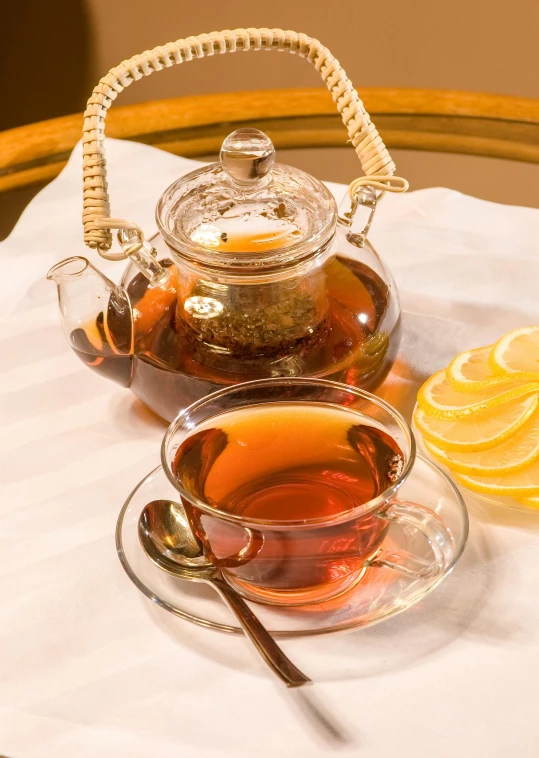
291, 486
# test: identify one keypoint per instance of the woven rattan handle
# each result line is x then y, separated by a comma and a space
374, 157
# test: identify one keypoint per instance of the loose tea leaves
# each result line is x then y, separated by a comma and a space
250, 331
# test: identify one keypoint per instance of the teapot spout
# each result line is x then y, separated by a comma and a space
96, 317
69, 268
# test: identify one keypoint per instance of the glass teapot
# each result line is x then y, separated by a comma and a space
255, 272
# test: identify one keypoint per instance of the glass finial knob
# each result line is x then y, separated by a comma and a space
247, 155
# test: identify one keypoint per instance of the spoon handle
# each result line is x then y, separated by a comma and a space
259, 636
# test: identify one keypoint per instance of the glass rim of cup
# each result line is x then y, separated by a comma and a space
364, 508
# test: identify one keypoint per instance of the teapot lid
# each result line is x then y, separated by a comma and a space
247, 210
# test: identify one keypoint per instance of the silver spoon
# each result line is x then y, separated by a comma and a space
168, 540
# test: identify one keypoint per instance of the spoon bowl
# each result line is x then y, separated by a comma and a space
169, 541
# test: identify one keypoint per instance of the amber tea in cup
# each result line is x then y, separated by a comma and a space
293, 462
289, 485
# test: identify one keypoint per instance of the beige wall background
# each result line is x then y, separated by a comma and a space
470, 45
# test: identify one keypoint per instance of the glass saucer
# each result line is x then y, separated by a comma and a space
380, 594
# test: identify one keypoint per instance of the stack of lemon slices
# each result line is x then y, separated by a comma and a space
480, 417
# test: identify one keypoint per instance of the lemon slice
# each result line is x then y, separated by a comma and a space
531, 502
517, 351
480, 431
515, 454
439, 399
471, 372
525, 482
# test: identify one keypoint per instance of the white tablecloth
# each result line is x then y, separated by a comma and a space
90, 668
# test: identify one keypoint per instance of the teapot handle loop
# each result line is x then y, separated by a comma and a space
375, 160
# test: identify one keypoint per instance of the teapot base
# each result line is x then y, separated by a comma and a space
168, 392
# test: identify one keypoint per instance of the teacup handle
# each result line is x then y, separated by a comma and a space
433, 530
255, 541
